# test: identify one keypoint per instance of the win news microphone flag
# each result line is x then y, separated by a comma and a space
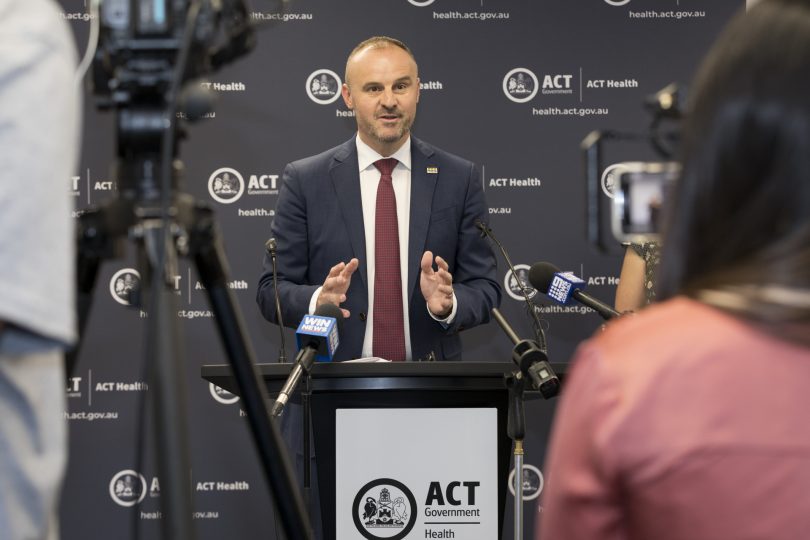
319, 331
317, 338
562, 287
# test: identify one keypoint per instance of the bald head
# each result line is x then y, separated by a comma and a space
374, 43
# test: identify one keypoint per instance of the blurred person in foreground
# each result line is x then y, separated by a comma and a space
39, 121
688, 421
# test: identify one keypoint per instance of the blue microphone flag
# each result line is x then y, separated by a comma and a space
563, 286
320, 330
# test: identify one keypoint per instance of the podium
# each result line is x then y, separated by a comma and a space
405, 449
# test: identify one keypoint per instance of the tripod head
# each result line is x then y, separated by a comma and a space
139, 42
148, 51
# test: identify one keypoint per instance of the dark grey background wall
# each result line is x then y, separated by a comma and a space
266, 117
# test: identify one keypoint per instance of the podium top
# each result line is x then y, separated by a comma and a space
349, 376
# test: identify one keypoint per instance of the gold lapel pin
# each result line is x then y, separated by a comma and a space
433, 170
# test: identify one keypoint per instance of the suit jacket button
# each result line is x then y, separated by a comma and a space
362, 316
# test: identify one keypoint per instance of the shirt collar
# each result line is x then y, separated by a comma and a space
366, 156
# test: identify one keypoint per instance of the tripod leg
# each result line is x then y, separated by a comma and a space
167, 384
100, 233
208, 256
92, 245
86, 275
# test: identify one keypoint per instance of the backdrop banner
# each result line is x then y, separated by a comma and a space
513, 85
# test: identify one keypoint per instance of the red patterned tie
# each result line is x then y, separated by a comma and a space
389, 333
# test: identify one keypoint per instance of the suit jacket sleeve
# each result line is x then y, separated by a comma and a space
289, 228
474, 270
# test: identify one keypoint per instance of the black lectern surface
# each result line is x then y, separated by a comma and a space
380, 385
335, 376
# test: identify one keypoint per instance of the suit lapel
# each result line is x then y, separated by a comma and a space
346, 181
423, 182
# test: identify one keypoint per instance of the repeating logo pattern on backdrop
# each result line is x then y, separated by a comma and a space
128, 488
74, 186
226, 185
323, 86
89, 402
124, 284
532, 482
221, 395
564, 93
513, 288
384, 508
609, 178
520, 85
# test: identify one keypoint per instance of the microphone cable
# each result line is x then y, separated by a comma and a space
530, 307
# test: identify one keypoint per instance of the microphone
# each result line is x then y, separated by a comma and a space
270, 246
532, 361
486, 232
317, 337
561, 286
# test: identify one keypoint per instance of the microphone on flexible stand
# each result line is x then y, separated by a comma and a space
318, 338
486, 232
562, 286
270, 246
533, 361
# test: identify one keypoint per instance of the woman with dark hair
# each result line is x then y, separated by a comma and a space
688, 421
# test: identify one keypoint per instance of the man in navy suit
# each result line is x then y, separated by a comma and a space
326, 218
326, 228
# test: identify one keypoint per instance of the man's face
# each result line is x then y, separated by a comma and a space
382, 88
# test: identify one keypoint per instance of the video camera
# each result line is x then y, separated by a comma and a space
636, 190
139, 43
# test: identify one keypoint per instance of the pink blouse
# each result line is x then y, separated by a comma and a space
681, 423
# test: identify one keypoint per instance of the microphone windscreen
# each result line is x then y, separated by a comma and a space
270, 245
331, 310
541, 275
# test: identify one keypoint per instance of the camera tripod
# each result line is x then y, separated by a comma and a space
164, 226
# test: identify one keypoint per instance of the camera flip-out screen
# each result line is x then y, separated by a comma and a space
641, 191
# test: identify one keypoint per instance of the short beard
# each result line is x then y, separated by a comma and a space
404, 128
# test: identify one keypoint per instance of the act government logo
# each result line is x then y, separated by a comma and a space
513, 287
610, 178
226, 185
323, 86
532, 482
384, 508
124, 285
421, 3
520, 85
221, 395
617, 2
127, 488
